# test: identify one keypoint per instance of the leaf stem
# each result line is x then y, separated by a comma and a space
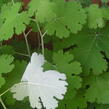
4, 92
2, 103
39, 42
1, 44
42, 42
22, 54
41, 35
26, 40
13, 2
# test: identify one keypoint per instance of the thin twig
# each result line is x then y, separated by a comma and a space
4, 92
2, 103
42, 42
1, 44
42, 35
38, 38
28, 49
13, 2
28, 32
22, 54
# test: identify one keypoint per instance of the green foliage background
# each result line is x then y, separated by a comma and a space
76, 43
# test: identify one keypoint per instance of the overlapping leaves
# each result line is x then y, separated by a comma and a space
11, 78
56, 13
64, 62
70, 19
89, 47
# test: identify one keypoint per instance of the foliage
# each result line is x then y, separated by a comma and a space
74, 23
95, 16
73, 36
98, 91
105, 1
10, 23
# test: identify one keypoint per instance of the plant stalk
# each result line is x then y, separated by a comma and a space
27, 45
2, 103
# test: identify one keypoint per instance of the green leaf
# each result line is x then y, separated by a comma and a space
95, 17
16, 74
105, 12
59, 44
19, 46
18, 105
44, 10
3, 1
11, 79
98, 90
105, 1
34, 27
102, 106
48, 66
48, 55
7, 49
6, 65
78, 102
13, 21
8, 99
85, 2
89, 45
72, 99
65, 63
70, 18
2, 81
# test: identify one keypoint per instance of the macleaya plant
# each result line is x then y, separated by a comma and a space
54, 54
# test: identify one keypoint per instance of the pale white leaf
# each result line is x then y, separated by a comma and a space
49, 85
